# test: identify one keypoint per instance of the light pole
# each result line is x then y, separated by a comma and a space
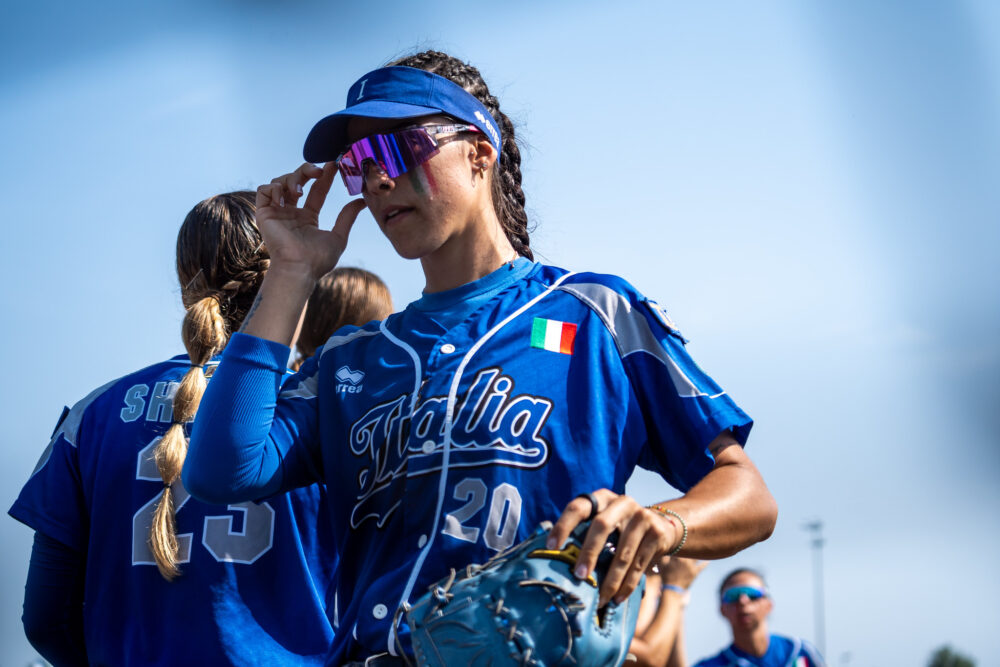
815, 527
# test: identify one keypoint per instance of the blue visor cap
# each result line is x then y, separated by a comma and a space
397, 92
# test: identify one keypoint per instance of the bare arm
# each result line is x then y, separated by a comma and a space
728, 510
659, 641
678, 656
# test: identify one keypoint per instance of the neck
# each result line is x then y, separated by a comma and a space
480, 249
754, 642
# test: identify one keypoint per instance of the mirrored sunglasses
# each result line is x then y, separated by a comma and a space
393, 153
731, 595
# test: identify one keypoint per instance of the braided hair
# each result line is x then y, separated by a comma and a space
221, 262
508, 197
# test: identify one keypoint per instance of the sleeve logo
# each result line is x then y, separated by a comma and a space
348, 381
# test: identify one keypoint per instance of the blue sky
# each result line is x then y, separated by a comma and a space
808, 188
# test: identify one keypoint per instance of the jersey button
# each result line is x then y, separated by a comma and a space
380, 611
422, 541
447, 348
428, 446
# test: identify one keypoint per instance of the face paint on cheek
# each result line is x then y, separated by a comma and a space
422, 181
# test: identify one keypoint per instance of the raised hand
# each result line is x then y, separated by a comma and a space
301, 253
292, 234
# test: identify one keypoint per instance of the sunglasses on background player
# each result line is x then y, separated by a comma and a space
731, 595
393, 153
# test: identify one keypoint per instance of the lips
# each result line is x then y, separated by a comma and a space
395, 213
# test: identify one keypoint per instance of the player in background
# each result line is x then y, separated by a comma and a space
510, 393
346, 295
745, 603
127, 568
659, 631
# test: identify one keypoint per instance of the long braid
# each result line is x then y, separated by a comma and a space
220, 263
205, 334
508, 197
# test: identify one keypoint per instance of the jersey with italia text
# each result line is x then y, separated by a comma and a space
253, 575
781, 652
441, 447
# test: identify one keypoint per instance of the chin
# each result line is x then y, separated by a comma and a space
407, 251
407, 247
414, 246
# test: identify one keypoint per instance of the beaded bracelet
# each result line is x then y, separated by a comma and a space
669, 513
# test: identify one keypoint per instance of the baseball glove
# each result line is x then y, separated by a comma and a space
524, 607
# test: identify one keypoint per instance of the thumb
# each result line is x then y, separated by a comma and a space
345, 219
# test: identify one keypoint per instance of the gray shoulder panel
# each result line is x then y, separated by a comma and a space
630, 330
69, 429
336, 341
306, 388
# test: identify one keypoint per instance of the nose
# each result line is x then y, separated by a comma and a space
376, 178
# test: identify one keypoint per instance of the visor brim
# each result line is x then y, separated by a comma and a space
328, 138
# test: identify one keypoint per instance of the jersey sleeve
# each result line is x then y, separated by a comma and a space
245, 443
683, 408
52, 501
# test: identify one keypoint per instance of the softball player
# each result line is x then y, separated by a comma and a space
745, 602
509, 393
127, 568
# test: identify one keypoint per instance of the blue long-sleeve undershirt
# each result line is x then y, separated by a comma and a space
232, 456
53, 601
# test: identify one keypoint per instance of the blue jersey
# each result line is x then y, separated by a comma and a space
443, 446
253, 576
781, 652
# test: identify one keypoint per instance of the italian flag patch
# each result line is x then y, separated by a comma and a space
553, 335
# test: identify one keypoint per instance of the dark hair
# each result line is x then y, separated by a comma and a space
508, 197
346, 295
221, 262
741, 570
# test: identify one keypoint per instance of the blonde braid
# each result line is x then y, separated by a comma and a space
221, 261
205, 334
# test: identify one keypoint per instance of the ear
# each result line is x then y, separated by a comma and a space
483, 152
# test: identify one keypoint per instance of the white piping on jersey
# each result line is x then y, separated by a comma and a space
336, 610
631, 332
417, 374
309, 387
446, 453
417, 367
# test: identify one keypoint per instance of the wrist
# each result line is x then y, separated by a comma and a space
292, 272
683, 594
677, 523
